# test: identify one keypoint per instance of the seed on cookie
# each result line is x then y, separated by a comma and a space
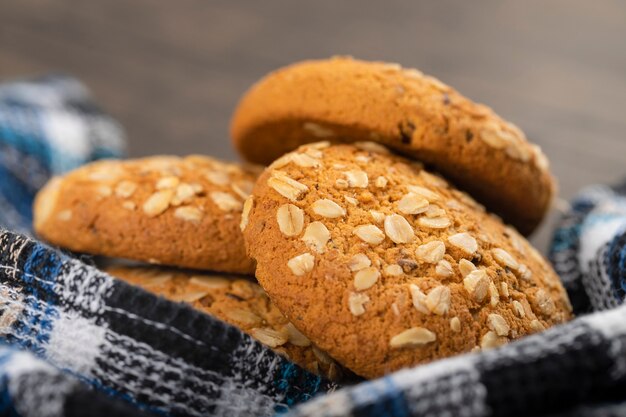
434, 222
245, 214
125, 189
217, 177
328, 208
519, 309
158, 202
465, 242
301, 264
393, 270
438, 300
295, 336
322, 356
423, 192
543, 302
184, 194
498, 324
188, 213
369, 234
304, 160
434, 180
524, 272
504, 258
167, 183
242, 188
104, 191
431, 252
290, 219
107, 171
413, 337
477, 284
356, 303
208, 281
494, 296
244, 316
316, 236
495, 137
444, 269
270, 337
377, 216
455, 324
341, 183
366, 278
412, 204
398, 229
313, 152
358, 262
466, 267
491, 340
537, 326
434, 211
282, 161
129, 205
225, 201
357, 178
519, 151
381, 182
286, 186
371, 147
419, 299
504, 289
351, 200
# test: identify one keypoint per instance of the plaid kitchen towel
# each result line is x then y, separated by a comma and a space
30, 387
163, 357
589, 248
47, 126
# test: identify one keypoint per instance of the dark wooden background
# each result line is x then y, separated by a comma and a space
172, 71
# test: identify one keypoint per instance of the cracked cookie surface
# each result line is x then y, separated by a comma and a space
385, 265
343, 99
162, 209
237, 301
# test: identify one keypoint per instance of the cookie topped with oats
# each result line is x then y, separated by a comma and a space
384, 265
345, 100
237, 301
163, 209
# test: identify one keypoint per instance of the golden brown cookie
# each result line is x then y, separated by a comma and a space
169, 210
342, 99
237, 301
384, 265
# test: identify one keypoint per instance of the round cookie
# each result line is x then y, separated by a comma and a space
239, 302
346, 100
384, 265
164, 210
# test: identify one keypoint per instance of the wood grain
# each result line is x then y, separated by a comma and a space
172, 72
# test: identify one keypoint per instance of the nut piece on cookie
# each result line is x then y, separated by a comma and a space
405, 110
163, 209
237, 301
392, 281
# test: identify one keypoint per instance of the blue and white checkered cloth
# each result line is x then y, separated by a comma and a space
47, 126
75, 341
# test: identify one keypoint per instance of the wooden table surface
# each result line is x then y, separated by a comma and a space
172, 71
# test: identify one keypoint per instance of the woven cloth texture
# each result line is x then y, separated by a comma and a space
163, 357
48, 125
